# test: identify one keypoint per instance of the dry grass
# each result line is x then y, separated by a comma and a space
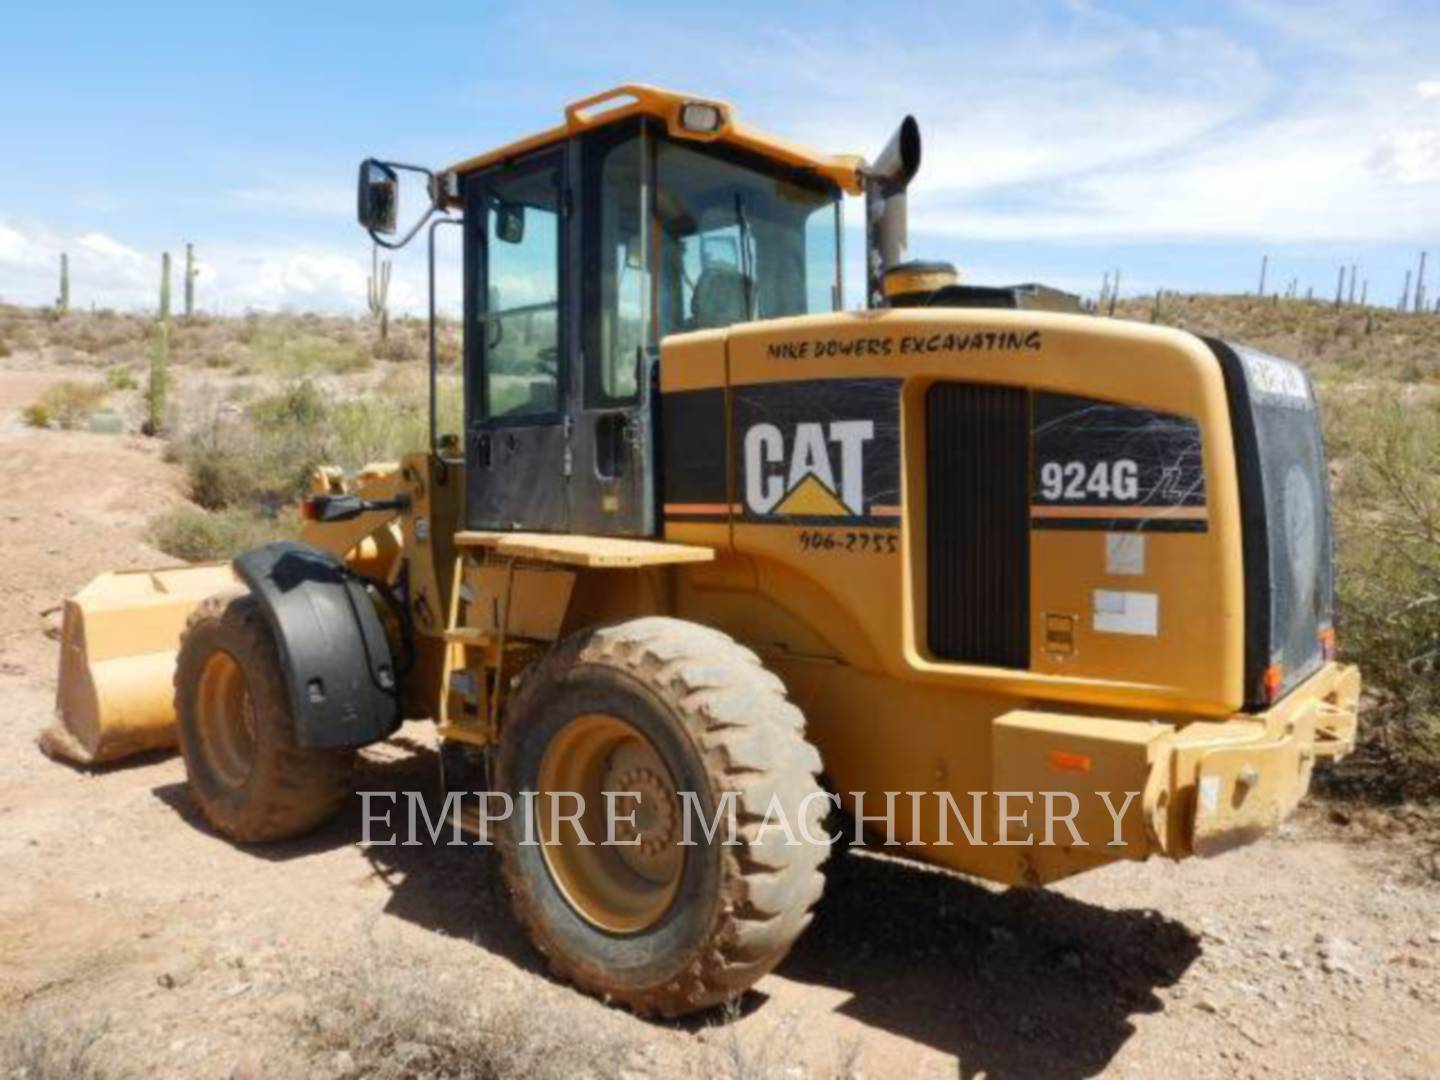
68, 405
45, 1045
394, 1016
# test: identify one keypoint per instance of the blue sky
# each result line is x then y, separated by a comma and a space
1177, 141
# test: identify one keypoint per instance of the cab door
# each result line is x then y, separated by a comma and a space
516, 347
612, 487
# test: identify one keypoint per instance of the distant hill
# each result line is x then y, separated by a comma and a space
1367, 343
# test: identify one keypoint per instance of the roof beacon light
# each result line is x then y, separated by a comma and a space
701, 116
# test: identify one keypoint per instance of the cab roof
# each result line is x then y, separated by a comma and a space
634, 99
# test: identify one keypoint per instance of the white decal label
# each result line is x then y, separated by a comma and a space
1127, 613
1125, 553
1277, 378
1209, 793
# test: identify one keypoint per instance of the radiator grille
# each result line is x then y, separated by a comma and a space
978, 524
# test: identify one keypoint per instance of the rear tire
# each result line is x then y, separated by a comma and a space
667, 706
250, 780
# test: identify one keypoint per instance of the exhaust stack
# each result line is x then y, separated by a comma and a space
886, 179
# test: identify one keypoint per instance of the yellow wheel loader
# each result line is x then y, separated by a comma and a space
1023, 590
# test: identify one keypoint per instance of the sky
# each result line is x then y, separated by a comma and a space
1177, 142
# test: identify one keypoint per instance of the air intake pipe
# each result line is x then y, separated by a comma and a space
886, 179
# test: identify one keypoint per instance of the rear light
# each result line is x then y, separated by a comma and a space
1066, 762
1274, 680
310, 509
1327, 642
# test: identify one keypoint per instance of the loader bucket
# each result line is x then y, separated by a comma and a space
117, 661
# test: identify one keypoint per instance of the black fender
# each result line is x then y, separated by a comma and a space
332, 644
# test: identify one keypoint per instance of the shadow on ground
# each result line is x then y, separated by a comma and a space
1012, 983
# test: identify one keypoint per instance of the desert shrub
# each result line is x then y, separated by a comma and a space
196, 535
304, 352
69, 403
36, 415
4, 349
300, 405
399, 348
120, 378
47, 1046
1387, 450
396, 1018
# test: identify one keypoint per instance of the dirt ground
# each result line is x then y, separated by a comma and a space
1314, 953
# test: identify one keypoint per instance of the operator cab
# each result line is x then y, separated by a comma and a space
645, 214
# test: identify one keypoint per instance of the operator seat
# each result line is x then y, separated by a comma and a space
720, 298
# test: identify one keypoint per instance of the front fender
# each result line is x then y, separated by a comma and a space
333, 649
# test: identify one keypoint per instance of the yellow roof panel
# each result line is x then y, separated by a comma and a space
634, 99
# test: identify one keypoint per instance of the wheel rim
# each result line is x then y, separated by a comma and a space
226, 719
625, 887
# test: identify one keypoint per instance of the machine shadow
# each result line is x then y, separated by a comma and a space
1015, 983
456, 891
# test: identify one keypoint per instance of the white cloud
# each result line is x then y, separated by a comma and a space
107, 272
1428, 89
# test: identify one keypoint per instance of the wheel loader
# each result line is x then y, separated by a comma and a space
709, 539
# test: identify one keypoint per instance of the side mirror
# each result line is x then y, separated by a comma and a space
377, 196
510, 222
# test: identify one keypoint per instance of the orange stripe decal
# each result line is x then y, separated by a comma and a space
1179, 513
884, 511
718, 509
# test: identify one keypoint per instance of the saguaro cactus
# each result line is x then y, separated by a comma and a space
378, 291
1420, 286
1264, 266
189, 280
62, 302
1405, 294
165, 287
155, 393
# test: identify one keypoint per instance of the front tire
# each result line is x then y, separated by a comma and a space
250, 780
660, 706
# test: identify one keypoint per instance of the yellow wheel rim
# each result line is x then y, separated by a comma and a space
226, 720
627, 886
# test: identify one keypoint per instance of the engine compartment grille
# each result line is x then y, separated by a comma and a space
977, 441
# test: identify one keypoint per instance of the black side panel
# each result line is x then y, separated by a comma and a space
977, 521
332, 646
692, 439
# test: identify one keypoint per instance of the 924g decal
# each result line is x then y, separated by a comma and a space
1099, 465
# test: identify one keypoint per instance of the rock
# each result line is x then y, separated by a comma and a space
344, 1062
1435, 937
1338, 956
1208, 1005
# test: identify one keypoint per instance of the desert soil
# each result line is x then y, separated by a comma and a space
1313, 953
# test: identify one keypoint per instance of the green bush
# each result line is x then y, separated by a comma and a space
36, 415
196, 535
120, 378
1387, 452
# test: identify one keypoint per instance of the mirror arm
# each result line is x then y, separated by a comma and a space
395, 245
